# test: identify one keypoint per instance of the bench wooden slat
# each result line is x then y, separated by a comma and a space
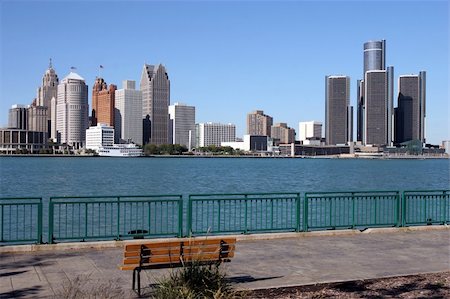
155, 251
153, 260
137, 247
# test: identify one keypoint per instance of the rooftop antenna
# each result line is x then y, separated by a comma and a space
50, 64
100, 67
72, 68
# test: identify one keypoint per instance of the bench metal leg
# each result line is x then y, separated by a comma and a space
134, 279
139, 282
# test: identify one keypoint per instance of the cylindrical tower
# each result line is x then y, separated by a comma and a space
374, 55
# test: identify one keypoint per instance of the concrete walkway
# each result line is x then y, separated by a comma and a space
297, 260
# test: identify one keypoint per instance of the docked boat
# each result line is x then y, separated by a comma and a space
120, 150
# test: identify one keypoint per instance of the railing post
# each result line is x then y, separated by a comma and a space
189, 228
404, 209
85, 221
218, 218
245, 215
118, 218
2, 225
398, 210
305, 213
50, 221
297, 213
39, 235
180, 217
444, 197
353, 210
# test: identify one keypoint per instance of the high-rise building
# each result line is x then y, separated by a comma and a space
38, 118
72, 108
282, 133
18, 117
410, 113
378, 111
214, 134
258, 123
338, 112
44, 95
155, 87
310, 130
374, 126
103, 102
374, 55
128, 113
182, 124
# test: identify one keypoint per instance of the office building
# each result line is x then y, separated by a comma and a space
155, 87
99, 136
103, 102
259, 124
214, 134
128, 113
44, 95
18, 117
410, 113
251, 143
182, 124
375, 110
338, 112
378, 110
72, 108
38, 119
13, 140
310, 130
281, 133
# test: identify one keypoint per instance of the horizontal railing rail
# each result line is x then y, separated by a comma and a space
331, 210
426, 207
243, 213
114, 217
21, 220
82, 218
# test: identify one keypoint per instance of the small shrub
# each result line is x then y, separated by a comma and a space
195, 281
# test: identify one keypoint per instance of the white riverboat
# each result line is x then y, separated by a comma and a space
120, 150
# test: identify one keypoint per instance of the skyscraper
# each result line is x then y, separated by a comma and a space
182, 119
410, 113
72, 111
338, 112
45, 93
103, 102
128, 113
258, 123
18, 117
155, 87
375, 98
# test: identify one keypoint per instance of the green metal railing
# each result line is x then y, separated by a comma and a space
331, 210
114, 217
21, 220
123, 217
426, 207
243, 213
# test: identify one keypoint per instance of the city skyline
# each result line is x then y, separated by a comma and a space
285, 79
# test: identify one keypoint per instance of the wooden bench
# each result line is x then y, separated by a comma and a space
158, 255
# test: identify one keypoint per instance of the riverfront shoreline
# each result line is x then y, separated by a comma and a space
392, 157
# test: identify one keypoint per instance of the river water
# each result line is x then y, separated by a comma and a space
98, 176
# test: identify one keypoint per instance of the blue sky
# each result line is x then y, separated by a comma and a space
227, 58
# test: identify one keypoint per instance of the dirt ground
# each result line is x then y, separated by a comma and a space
431, 285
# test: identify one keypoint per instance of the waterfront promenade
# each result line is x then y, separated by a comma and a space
261, 261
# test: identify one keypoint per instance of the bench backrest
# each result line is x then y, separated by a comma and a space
174, 254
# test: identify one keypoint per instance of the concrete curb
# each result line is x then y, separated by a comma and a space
242, 238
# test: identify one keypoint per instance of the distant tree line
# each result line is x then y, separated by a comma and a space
164, 149
219, 150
